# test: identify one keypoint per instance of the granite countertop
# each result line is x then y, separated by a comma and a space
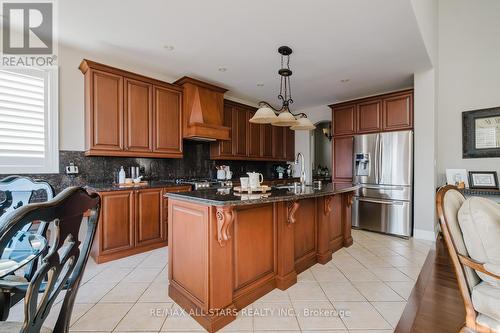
227, 197
113, 187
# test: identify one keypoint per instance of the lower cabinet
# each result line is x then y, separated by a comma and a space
131, 222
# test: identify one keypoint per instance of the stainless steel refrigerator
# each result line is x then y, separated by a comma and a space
383, 166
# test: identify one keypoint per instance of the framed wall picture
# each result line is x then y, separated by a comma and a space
483, 179
456, 176
481, 133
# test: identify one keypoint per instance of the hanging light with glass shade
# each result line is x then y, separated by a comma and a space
267, 114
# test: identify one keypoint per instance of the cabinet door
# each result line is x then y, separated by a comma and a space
116, 224
398, 112
290, 144
278, 142
167, 121
369, 116
266, 134
138, 116
239, 128
226, 147
106, 125
149, 223
254, 137
342, 158
344, 119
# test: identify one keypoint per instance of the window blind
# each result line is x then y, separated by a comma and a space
22, 114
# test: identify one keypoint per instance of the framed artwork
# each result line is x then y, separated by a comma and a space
455, 176
481, 133
483, 179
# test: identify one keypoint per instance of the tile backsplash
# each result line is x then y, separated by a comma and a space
196, 163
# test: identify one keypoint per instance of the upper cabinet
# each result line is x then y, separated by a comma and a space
398, 112
344, 119
389, 112
127, 114
252, 141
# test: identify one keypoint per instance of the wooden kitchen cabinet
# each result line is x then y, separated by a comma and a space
398, 112
149, 225
127, 114
254, 137
131, 222
278, 143
342, 158
266, 134
239, 132
167, 122
116, 222
104, 114
289, 144
344, 119
138, 116
369, 116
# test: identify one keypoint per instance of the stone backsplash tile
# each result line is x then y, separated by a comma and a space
196, 163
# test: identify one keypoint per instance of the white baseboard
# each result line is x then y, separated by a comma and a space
424, 234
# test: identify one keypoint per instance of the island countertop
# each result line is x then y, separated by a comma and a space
228, 197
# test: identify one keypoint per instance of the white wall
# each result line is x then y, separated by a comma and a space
469, 75
71, 92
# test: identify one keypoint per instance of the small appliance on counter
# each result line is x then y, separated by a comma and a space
282, 171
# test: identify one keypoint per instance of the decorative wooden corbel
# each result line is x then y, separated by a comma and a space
292, 208
328, 204
350, 199
225, 216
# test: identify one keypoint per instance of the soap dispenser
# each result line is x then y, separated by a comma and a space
121, 176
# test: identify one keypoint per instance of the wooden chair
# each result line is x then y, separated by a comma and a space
61, 268
448, 202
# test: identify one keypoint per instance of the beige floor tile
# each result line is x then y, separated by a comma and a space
157, 260
306, 276
390, 274
341, 292
306, 292
102, 317
180, 320
156, 292
275, 295
274, 316
375, 262
398, 261
391, 311
145, 317
111, 274
125, 292
371, 331
402, 288
79, 309
316, 315
347, 263
412, 271
142, 275
361, 315
359, 274
327, 273
242, 323
129, 262
92, 292
377, 291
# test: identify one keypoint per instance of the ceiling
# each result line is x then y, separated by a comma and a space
375, 44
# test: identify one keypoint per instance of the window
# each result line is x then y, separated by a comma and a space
28, 121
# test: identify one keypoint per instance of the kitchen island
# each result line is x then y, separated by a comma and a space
229, 249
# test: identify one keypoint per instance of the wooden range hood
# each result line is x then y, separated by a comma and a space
203, 111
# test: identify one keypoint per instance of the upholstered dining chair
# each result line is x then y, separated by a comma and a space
61, 268
467, 227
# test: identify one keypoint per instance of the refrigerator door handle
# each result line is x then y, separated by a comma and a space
377, 159
397, 188
385, 202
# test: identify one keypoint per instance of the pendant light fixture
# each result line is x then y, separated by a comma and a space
267, 114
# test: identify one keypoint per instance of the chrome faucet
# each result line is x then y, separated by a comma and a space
302, 169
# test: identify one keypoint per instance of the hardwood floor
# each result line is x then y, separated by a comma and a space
435, 304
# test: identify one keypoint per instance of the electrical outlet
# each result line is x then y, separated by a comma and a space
71, 169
